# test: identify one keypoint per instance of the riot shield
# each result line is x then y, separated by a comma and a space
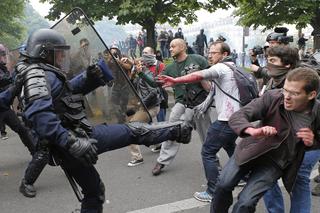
110, 103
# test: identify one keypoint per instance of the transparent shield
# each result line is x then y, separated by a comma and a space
109, 103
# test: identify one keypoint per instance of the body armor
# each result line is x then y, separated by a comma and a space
68, 106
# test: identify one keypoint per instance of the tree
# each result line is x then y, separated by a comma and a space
11, 29
33, 20
143, 12
271, 13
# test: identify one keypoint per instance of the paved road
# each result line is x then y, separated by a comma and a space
132, 190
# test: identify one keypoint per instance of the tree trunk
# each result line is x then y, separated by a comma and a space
149, 25
315, 23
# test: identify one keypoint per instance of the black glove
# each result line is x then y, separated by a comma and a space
83, 149
94, 73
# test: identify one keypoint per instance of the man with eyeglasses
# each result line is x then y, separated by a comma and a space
290, 123
281, 60
219, 135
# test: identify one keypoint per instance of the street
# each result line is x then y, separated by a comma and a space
132, 190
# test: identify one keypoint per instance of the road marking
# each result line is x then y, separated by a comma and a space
191, 203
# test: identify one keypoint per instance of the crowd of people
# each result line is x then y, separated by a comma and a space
279, 128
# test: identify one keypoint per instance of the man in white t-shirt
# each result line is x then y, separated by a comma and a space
219, 134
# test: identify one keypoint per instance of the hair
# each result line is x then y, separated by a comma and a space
224, 47
84, 40
149, 48
308, 75
288, 55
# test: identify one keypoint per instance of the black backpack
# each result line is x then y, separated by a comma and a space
247, 85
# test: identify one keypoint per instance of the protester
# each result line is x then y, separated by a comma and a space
290, 118
219, 134
201, 41
186, 98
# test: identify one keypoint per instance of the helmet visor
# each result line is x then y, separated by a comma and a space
62, 59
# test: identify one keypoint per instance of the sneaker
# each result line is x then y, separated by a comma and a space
202, 196
27, 190
135, 162
4, 137
316, 190
156, 149
157, 169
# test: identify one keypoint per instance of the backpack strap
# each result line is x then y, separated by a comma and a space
216, 84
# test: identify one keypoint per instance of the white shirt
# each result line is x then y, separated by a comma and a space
223, 75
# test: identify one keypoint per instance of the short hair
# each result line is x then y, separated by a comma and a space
224, 47
84, 40
149, 48
308, 75
288, 55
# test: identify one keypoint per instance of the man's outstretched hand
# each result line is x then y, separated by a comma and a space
166, 81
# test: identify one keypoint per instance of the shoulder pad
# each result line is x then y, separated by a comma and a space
35, 84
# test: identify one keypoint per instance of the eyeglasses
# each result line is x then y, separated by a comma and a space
3, 53
289, 93
212, 53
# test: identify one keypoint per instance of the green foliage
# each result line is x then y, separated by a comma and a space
143, 12
270, 13
17, 20
33, 20
108, 30
11, 29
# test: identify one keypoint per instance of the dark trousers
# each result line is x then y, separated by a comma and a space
219, 135
109, 137
263, 176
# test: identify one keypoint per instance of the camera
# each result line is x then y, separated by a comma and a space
257, 50
280, 35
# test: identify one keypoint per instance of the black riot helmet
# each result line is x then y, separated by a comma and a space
280, 35
43, 43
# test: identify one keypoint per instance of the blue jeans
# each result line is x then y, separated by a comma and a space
162, 115
219, 135
262, 177
301, 194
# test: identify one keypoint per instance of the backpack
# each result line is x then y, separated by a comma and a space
246, 83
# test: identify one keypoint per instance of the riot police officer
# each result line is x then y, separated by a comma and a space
53, 107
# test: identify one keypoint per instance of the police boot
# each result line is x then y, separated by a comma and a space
27, 190
156, 133
184, 133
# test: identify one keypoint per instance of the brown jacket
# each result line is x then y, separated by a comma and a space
270, 110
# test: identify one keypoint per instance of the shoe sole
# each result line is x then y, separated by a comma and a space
202, 200
26, 194
136, 164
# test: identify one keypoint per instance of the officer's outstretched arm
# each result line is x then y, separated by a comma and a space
95, 76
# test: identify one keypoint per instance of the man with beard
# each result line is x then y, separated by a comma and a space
186, 98
219, 134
